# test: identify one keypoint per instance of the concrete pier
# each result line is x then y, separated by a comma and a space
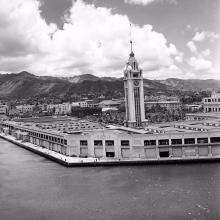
78, 161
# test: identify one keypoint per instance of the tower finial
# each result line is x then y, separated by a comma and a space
131, 42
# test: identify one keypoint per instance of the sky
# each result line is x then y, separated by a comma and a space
171, 38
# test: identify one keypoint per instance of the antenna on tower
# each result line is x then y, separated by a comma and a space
131, 42
131, 36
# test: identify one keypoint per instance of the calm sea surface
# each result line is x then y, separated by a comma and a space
32, 187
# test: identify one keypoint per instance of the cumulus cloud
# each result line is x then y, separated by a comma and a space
201, 36
192, 47
146, 2
24, 35
206, 52
204, 68
92, 40
200, 64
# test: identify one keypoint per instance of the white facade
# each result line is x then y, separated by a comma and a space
60, 109
83, 104
86, 104
134, 94
198, 141
25, 108
212, 104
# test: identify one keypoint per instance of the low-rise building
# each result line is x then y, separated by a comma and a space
60, 109
3, 109
110, 103
188, 140
63, 109
212, 104
193, 107
25, 108
170, 105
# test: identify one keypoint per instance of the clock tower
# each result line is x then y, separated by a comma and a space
134, 93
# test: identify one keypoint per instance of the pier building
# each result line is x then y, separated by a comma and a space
188, 139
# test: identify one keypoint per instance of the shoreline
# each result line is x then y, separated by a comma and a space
92, 162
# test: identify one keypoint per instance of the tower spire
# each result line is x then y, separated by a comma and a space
131, 42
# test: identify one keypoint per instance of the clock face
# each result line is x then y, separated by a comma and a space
136, 82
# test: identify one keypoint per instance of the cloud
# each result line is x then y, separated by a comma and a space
172, 71
200, 64
93, 40
201, 36
147, 2
191, 45
206, 52
204, 68
24, 35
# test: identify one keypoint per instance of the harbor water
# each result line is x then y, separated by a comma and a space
32, 187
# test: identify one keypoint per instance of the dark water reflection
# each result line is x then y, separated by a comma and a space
32, 187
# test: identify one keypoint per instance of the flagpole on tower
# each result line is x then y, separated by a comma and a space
131, 38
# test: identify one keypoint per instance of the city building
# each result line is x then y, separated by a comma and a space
25, 108
203, 116
193, 107
134, 93
59, 109
88, 104
63, 109
83, 104
170, 105
3, 109
110, 104
212, 104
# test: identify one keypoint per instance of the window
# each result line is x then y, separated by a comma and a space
189, 141
163, 142
58, 139
209, 100
135, 75
176, 141
98, 142
55, 139
149, 142
109, 143
65, 142
202, 140
110, 154
83, 143
215, 139
52, 138
61, 141
124, 143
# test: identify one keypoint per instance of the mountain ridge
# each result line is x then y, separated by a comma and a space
25, 84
